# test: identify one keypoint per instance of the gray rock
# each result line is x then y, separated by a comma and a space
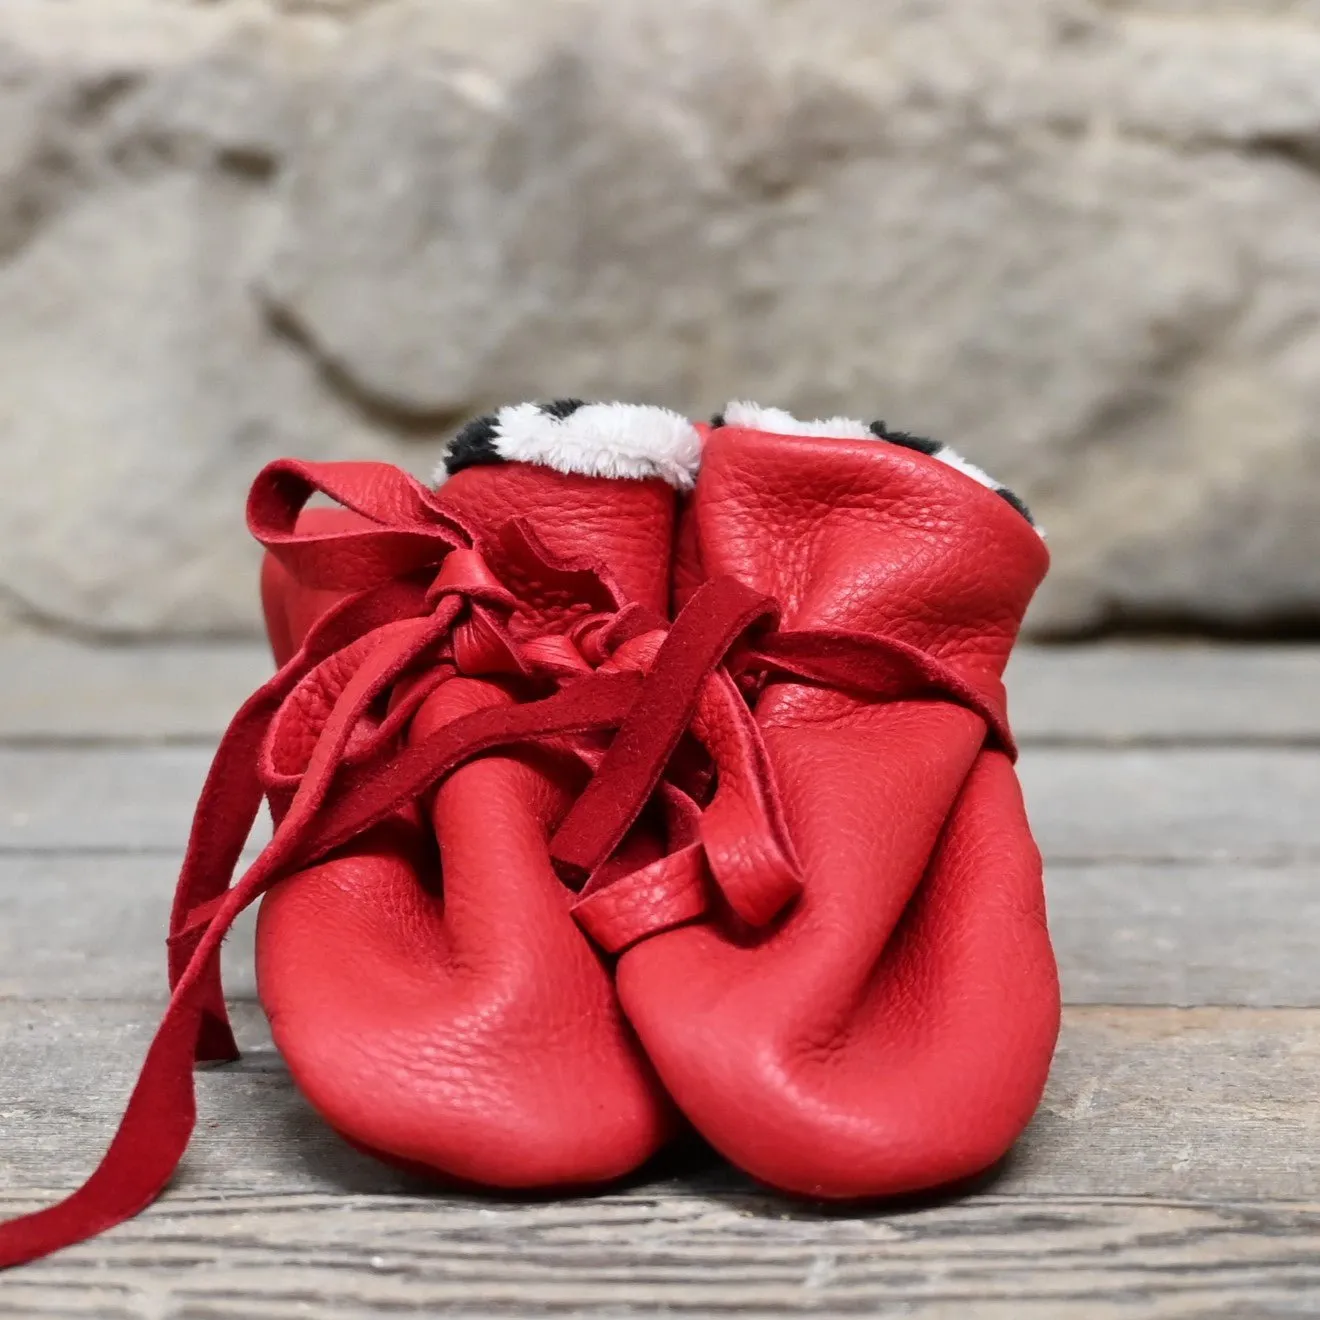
1080, 241
144, 381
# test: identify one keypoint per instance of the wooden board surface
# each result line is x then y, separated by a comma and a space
1203, 1102
90, 925
685, 1252
1117, 693
1187, 933
1173, 1169
1187, 693
1087, 804
55, 690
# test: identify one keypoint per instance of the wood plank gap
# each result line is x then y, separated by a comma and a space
1278, 860
157, 1003
103, 742
92, 851
1168, 742
55, 741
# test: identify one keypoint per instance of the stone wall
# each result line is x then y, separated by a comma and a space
1080, 241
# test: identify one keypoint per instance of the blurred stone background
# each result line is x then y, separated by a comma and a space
1080, 241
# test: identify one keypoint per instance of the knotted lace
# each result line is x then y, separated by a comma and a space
314, 742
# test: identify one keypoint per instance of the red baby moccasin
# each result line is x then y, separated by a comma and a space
891, 1028
417, 953
469, 1027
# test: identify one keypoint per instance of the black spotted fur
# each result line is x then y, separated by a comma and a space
906, 439
1005, 494
934, 448
561, 408
474, 446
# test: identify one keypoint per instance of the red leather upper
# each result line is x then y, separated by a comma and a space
894, 1030
466, 1024
626, 527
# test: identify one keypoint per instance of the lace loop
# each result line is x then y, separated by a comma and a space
723, 636
465, 573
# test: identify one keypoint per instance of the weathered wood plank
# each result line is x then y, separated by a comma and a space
91, 926
68, 1069
1111, 692
1187, 934
1133, 804
54, 689
1145, 804
1122, 692
1194, 1103
691, 1252
1203, 1103
78, 798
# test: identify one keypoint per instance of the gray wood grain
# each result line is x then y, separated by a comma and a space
138, 799
1214, 804
1113, 692
1122, 804
1172, 1169
1187, 934
91, 926
1179, 692
683, 1251
54, 689
1191, 1103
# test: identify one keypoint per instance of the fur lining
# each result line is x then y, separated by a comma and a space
639, 441
778, 422
614, 440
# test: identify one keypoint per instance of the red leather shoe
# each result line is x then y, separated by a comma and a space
890, 1029
487, 638
470, 1028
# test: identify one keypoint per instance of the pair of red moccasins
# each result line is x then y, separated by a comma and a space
637, 774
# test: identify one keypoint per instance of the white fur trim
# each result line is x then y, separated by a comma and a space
956, 460
778, 422
616, 440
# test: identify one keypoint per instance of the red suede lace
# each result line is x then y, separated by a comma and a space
426, 606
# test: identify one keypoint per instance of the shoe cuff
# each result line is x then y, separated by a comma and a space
776, 421
614, 440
